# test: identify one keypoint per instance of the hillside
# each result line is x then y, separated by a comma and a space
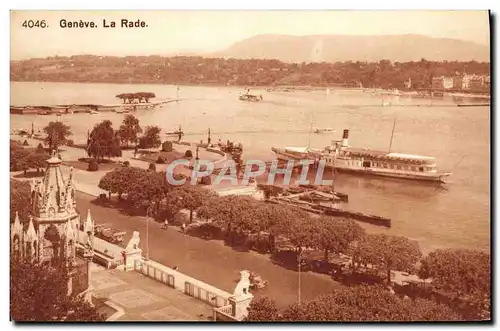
333, 48
197, 70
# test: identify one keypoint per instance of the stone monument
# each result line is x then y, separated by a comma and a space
242, 297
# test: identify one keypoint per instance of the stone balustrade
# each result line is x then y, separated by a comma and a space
224, 314
188, 285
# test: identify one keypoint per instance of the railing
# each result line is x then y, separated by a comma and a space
159, 274
109, 251
224, 313
182, 282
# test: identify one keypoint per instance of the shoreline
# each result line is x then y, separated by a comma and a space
284, 86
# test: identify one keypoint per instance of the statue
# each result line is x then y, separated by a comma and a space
243, 287
133, 244
89, 244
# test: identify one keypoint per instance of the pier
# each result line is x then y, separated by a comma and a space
86, 108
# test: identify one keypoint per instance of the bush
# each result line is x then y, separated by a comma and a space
188, 153
93, 166
152, 166
167, 146
91, 159
126, 164
25, 143
40, 149
70, 143
206, 181
160, 160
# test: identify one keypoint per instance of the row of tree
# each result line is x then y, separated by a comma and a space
139, 96
463, 273
198, 70
24, 159
148, 188
239, 215
103, 140
361, 303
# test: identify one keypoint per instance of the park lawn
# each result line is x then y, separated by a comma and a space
84, 165
167, 156
30, 174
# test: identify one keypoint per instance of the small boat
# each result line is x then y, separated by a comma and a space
324, 130
93, 112
250, 97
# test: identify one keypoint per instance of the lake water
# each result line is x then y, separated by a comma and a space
455, 215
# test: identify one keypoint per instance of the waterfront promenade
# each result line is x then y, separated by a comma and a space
210, 261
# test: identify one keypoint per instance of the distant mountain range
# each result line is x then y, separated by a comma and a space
333, 48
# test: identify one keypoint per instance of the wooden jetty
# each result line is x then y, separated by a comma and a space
86, 108
334, 212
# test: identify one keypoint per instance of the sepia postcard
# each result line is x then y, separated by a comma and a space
250, 166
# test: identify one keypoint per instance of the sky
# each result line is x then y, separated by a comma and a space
169, 32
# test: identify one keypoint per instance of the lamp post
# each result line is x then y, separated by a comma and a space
148, 211
299, 260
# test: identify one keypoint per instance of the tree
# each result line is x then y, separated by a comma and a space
36, 161
18, 158
388, 252
167, 146
20, 199
336, 235
302, 231
39, 292
151, 137
262, 309
126, 97
121, 180
144, 96
171, 204
227, 212
57, 134
103, 141
192, 198
129, 129
40, 149
148, 188
464, 272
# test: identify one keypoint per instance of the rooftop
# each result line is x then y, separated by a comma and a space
378, 153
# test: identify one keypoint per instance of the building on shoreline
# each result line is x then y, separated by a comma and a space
463, 82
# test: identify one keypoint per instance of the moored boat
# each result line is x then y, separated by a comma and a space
343, 158
250, 97
324, 130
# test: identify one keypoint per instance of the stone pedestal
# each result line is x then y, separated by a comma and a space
130, 257
240, 306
